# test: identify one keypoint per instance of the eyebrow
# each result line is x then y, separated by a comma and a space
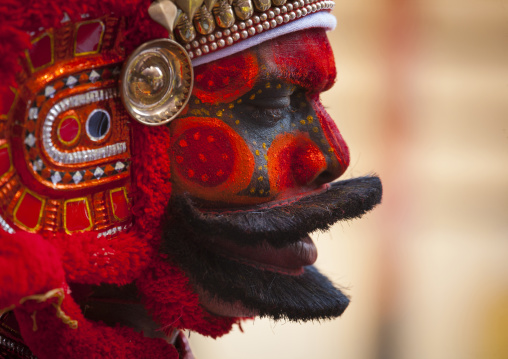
304, 59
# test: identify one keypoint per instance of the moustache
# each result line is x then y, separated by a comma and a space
286, 222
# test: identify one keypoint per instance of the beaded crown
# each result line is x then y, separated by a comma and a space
205, 26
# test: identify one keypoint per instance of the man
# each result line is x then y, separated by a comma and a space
142, 191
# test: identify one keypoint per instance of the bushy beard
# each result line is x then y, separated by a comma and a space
190, 240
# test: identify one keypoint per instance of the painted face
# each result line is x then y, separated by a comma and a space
252, 157
255, 130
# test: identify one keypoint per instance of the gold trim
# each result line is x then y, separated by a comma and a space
27, 54
5, 116
55, 293
112, 204
5, 310
100, 39
89, 215
20, 200
6, 145
68, 143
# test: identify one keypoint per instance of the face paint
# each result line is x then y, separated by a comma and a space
210, 159
225, 80
272, 115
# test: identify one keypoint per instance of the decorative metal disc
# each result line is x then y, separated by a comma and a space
156, 82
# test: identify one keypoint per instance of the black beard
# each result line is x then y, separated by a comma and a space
189, 240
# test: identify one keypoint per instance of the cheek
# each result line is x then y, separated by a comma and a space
209, 159
205, 156
227, 79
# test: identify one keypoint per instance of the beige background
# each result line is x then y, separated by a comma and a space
422, 100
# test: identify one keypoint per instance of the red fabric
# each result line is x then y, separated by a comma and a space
54, 339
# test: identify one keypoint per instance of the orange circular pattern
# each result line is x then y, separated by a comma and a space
294, 160
208, 154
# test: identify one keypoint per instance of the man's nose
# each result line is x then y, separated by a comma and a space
299, 160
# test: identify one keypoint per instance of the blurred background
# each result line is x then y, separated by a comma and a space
422, 100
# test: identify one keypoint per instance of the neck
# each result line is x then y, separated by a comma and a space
115, 305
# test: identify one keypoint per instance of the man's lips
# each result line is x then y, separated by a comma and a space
287, 260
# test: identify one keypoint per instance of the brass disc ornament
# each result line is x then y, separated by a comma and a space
156, 82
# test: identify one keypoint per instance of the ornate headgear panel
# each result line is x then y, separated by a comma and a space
65, 136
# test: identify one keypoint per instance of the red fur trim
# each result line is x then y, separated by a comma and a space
92, 260
170, 299
32, 262
151, 174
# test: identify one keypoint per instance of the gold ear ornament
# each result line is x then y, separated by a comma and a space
157, 78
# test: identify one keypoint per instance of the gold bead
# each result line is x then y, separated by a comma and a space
262, 5
185, 30
279, 2
204, 22
224, 14
243, 9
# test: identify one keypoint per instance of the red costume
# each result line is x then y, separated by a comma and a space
96, 207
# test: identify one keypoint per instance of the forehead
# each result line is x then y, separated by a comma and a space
303, 58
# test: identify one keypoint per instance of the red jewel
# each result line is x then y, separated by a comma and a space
29, 211
5, 160
119, 204
68, 130
77, 215
88, 37
41, 52
8, 97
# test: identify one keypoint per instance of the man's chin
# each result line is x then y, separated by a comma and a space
258, 261
310, 296
229, 288
216, 306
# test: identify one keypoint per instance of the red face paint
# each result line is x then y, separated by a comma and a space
305, 59
259, 134
227, 79
209, 159
337, 144
294, 160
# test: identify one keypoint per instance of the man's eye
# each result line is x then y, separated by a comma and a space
279, 102
275, 97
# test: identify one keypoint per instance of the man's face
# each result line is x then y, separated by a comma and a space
255, 130
251, 159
